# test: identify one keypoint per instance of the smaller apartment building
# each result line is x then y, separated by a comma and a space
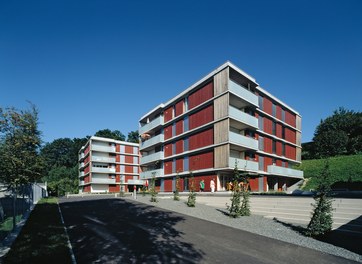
224, 119
108, 165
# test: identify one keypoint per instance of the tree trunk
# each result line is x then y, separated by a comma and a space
14, 208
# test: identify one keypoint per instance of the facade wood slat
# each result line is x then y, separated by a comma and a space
221, 106
221, 131
221, 156
221, 81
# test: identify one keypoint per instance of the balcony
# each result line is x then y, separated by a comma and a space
150, 173
277, 170
103, 148
81, 182
152, 157
158, 121
243, 117
103, 170
245, 165
152, 141
81, 165
103, 181
81, 174
243, 93
243, 141
103, 159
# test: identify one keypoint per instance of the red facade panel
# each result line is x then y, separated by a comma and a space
254, 184
268, 106
167, 167
114, 188
86, 169
86, 160
267, 161
167, 149
290, 152
167, 185
201, 95
180, 165
290, 118
167, 114
179, 127
86, 150
202, 139
179, 146
268, 144
118, 159
128, 169
118, 148
128, 159
201, 117
87, 188
279, 148
201, 161
290, 135
268, 125
179, 108
168, 132
128, 149
279, 162
86, 179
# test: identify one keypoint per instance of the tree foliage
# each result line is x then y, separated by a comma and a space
20, 162
321, 220
107, 133
339, 134
191, 199
133, 136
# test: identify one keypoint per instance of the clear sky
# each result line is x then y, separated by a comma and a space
90, 65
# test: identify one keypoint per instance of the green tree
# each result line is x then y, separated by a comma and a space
176, 194
321, 221
338, 134
20, 140
62, 180
153, 191
107, 133
133, 136
191, 200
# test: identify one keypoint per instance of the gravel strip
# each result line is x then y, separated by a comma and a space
254, 223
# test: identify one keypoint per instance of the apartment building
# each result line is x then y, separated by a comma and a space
224, 119
108, 165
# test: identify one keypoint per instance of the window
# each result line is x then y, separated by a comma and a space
283, 132
135, 150
173, 148
173, 165
186, 144
186, 123
283, 149
283, 115
274, 110
122, 148
274, 146
186, 103
174, 129
261, 125
261, 102
135, 169
186, 163
274, 128
135, 160
261, 143
122, 168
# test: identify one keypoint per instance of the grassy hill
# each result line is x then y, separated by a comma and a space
344, 169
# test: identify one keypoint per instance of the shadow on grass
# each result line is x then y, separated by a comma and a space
125, 231
42, 239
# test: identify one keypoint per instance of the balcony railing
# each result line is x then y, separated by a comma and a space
81, 174
152, 157
81, 183
243, 93
243, 117
240, 140
150, 173
242, 164
103, 159
152, 141
273, 169
104, 170
158, 121
81, 165
103, 148
106, 181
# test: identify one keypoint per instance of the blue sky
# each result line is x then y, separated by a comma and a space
90, 65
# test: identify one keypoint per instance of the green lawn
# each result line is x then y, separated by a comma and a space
42, 239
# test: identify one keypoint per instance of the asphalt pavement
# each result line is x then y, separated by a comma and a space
115, 230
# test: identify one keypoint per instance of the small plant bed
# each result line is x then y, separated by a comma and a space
42, 239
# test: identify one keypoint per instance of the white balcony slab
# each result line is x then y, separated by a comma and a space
152, 141
103, 159
243, 117
277, 170
244, 165
243, 93
243, 141
152, 157
103, 148
104, 170
149, 174
151, 125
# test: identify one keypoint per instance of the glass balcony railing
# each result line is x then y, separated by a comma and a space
243, 93
103, 181
243, 141
151, 158
273, 169
149, 174
158, 121
104, 170
242, 164
243, 117
103, 159
103, 148
152, 141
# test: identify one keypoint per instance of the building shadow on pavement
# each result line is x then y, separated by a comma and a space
338, 237
124, 231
